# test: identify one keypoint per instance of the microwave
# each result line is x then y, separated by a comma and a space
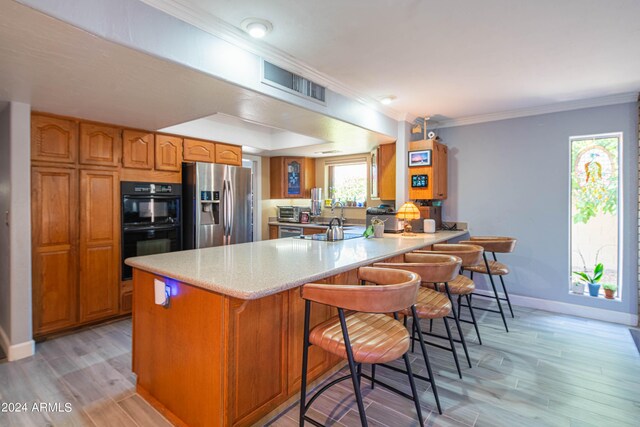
291, 213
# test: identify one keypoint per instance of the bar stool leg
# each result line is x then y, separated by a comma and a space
473, 318
453, 346
373, 376
427, 363
305, 356
414, 392
413, 333
457, 320
352, 368
504, 288
495, 292
459, 305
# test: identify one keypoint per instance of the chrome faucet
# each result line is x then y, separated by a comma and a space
334, 205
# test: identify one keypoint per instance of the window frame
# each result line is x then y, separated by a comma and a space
347, 162
620, 213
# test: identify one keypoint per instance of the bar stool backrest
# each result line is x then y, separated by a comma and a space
469, 254
432, 268
493, 243
392, 291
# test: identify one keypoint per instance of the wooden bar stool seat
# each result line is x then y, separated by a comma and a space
493, 244
362, 332
430, 305
375, 338
461, 285
433, 270
496, 268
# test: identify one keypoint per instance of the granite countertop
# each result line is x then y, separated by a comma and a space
313, 225
258, 269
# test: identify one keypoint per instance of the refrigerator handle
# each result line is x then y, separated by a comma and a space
225, 212
231, 210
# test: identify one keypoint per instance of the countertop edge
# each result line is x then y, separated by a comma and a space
289, 285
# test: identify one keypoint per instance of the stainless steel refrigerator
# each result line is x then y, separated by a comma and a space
217, 203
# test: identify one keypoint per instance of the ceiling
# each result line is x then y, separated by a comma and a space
61, 69
454, 59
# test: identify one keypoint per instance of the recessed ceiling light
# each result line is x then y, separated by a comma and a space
387, 100
257, 28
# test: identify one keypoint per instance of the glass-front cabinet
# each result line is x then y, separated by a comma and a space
293, 177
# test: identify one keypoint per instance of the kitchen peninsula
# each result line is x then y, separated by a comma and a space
227, 349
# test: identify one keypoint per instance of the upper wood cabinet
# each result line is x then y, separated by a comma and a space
54, 139
137, 149
435, 176
99, 244
54, 224
168, 153
196, 150
100, 145
228, 154
292, 177
387, 171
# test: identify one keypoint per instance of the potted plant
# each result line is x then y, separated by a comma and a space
609, 290
592, 281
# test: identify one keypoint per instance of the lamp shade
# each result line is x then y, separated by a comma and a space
408, 211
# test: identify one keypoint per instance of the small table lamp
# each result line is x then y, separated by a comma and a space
407, 212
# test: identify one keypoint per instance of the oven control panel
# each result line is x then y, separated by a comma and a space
153, 188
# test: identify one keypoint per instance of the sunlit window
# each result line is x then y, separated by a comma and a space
595, 219
348, 183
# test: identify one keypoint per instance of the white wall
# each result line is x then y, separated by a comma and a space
15, 239
511, 177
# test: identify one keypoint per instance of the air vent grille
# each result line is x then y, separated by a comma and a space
281, 78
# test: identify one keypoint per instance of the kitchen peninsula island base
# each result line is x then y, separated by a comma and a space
212, 358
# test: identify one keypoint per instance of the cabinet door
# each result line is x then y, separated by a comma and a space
387, 171
440, 171
273, 232
293, 177
199, 151
137, 150
228, 154
99, 244
168, 153
54, 223
53, 139
100, 145
318, 360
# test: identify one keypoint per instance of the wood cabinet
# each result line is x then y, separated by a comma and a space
137, 149
168, 153
292, 177
228, 154
99, 244
436, 174
54, 139
196, 150
100, 145
273, 232
382, 172
54, 223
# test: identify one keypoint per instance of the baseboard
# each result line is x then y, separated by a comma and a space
571, 309
16, 351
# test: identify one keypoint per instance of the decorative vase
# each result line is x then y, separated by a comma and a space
609, 293
378, 231
577, 288
594, 289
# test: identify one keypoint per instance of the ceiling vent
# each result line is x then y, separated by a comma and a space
280, 78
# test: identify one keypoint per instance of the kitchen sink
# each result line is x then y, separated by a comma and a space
323, 236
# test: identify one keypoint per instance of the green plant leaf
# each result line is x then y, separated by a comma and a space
584, 276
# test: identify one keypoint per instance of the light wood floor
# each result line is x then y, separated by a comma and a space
549, 370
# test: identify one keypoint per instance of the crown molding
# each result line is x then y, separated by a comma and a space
217, 27
621, 98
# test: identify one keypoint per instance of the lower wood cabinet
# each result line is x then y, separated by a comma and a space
76, 247
54, 217
99, 244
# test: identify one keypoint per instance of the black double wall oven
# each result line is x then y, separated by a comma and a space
151, 220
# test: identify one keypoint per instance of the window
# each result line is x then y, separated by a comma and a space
595, 217
348, 182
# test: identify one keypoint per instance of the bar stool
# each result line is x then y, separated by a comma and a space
493, 268
430, 303
470, 255
365, 334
